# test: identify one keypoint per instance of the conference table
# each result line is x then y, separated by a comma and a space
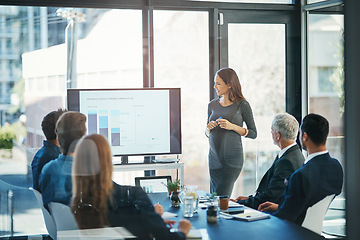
272, 228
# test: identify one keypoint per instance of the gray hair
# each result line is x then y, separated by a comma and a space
286, 125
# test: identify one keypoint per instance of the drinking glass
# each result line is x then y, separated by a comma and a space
190, 191
188, 206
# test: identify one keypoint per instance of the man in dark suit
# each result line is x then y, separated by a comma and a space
319, 177
284, 130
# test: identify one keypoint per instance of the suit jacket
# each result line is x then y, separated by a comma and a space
318, 178
272, 184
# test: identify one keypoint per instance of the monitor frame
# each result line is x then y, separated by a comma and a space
73, 104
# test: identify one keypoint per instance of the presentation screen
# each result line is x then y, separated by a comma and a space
144, 121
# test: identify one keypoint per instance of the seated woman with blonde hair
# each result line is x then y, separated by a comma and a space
100, 202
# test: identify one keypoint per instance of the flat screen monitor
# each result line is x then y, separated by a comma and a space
143, 121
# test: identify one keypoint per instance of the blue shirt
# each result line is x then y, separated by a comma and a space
48, 152
55, 180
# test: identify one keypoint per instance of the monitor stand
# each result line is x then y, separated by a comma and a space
124, 159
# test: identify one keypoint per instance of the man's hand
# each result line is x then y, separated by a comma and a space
268, 207
239, 198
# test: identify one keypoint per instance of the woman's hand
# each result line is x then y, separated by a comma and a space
225, 124
212, 125
184, 226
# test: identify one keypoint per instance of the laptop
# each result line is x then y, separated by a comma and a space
153, 184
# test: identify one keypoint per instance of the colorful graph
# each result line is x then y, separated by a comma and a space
92, 121
104, 123
115, 127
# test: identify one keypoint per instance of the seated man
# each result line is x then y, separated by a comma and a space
55, 177
50, 149
319, 177
284, 130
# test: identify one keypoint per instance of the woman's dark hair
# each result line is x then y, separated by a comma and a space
48, 123
316, 127
231, 79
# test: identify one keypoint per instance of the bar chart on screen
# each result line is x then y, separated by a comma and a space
135, 122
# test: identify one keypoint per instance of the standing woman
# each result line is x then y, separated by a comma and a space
226, 116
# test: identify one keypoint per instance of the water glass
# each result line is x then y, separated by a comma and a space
188, 206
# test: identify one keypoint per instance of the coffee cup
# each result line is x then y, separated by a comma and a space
224, 202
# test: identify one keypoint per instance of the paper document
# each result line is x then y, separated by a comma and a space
234, 204
96, 233
167, 215
251, 215
198, 234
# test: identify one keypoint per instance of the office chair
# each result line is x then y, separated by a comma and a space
48, 219
67, 228
63, 217
315, 215
153, 184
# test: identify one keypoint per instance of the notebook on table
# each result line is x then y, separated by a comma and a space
251, 215
248, 215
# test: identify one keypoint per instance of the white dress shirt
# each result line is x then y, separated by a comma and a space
282, 151
311, 156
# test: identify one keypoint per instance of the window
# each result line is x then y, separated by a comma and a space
326, 78
8, 45
110, 55
257, 53
324, 82
253, 1
181, 60
326, 95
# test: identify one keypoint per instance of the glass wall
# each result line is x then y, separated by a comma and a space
316, 1
257, 53
181, 52
34, 56
326, 94
252, 1
34, 48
